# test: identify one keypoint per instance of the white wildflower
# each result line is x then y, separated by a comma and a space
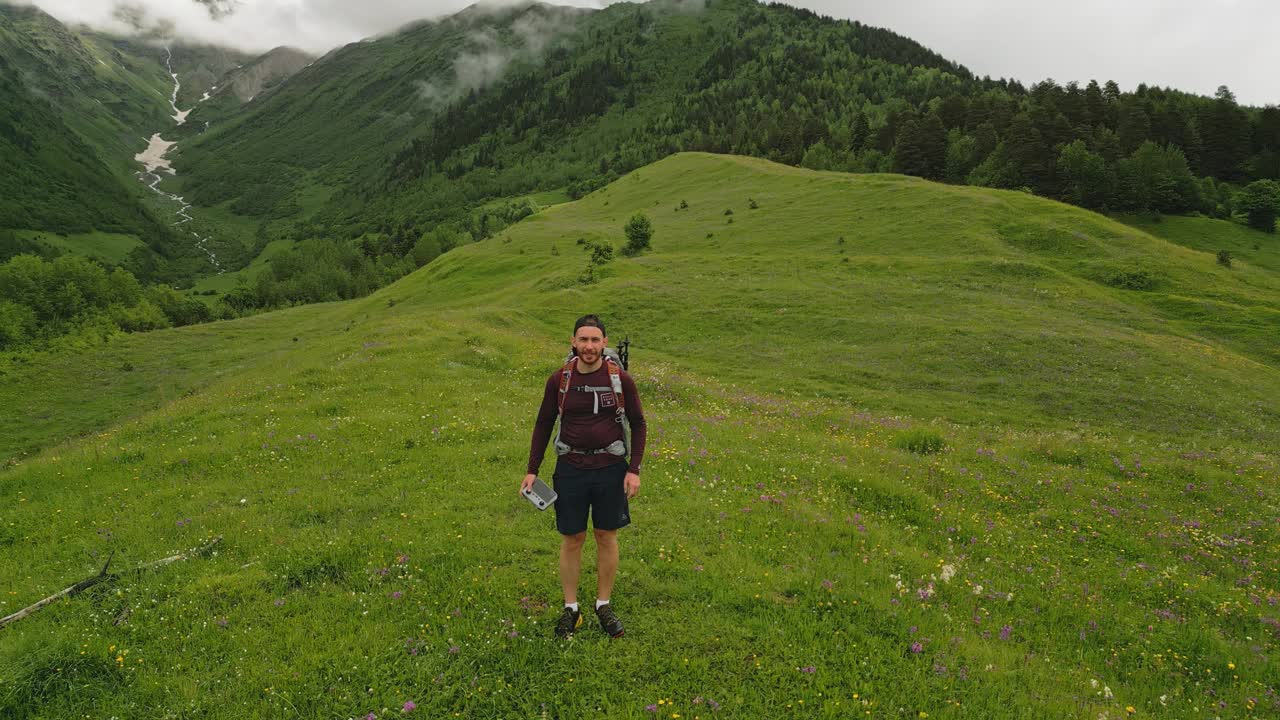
948, 572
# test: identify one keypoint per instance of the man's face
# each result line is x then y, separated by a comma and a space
590, 343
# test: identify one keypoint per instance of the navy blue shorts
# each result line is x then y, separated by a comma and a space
601, 493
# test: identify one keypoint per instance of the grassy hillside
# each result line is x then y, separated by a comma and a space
1099, 532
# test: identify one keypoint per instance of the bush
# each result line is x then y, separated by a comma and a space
638, 231
1130, 280
601, 253
1224, 258
920, 442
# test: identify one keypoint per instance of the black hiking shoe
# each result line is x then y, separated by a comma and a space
609, 621
570, 620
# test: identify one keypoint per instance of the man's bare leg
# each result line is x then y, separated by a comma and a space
571, 564
606, 562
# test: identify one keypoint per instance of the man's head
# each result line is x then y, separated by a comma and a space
589, 339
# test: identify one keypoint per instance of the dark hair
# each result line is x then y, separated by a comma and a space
589, 321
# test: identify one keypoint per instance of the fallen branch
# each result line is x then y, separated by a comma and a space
102, 577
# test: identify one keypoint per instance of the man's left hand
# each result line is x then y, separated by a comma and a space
632, 484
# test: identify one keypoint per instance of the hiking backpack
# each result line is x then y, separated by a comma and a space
616, 361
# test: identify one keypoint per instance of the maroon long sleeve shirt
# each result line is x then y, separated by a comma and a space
589, 420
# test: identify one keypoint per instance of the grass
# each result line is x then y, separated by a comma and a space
1099, 531
111, 247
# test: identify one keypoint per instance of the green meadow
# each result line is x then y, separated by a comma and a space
915, 451
109, 247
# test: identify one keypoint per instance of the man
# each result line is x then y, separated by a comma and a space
592, 473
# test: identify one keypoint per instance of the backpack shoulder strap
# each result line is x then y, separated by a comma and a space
566, 373
615, 380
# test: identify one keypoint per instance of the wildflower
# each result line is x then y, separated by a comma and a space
513, 634
401, 559
1004, 632
948, 572
714, 705
916, 647
651, 708
808, 669
409, 706
370, 716
1106, 692
453, 650
279, 602
396, 595
1129, 709
827, 584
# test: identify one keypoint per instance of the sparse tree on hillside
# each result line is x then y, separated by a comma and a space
638, 231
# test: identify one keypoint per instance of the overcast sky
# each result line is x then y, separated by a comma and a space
1193, 45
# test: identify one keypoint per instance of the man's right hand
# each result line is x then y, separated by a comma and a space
527, 483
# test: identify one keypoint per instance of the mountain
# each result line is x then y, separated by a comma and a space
244, 83
76, 110
903, 436
388, 139
79, 106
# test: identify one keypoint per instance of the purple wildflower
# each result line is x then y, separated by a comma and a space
808, 669
651, 707
714, 705
370, 716
917, 648
453, 650
513, 634
396, 595
827, 584
1005, 631
279, 602
409, 706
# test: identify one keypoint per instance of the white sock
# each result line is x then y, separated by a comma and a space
572, 606
600, 603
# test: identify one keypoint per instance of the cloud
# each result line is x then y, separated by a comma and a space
252, 25
486, 60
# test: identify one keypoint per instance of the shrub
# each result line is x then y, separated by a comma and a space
638, 231
920, 442
1224, 258
601, 253
1130, 280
